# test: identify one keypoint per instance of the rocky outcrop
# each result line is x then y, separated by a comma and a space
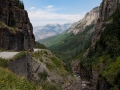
21, 66
16, 31
42, 62
107, 8
90, 18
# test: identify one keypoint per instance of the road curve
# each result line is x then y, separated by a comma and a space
7, 55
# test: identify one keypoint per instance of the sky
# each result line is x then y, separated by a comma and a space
42, 12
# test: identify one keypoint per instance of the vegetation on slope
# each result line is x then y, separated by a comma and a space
107, 52
9, 81
3, 63
40, 46
51, 61
19, 3
52, 65
69, 46
11, 28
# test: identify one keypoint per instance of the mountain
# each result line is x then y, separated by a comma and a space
16, 31
48, 30
70, 44
90, 18
73, 41
101, 62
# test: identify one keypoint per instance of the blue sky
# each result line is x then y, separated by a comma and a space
43, 12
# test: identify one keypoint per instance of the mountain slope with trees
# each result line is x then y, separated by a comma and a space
70, 43
101, 66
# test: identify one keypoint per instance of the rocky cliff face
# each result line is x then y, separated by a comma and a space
107, 8
16, 31
21, 66
90, 18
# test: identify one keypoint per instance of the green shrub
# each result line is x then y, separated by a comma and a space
43, 75
111, 71
45, 52
41, 59
114, 88
1, 49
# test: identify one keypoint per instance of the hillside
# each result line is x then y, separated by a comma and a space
51, 71
49, 30
101, 64
8, 81
38, 70
73, 41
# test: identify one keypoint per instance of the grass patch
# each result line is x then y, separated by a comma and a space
36, 54
50, 86
61, 70
12, 29
1, 49
9, 81
43, 75
49, 66
45, 52
3, 63
56, 62
21, 54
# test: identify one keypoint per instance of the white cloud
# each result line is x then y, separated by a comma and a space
49, 7
43, 16
32, 8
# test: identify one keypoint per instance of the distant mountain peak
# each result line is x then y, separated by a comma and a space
48, 30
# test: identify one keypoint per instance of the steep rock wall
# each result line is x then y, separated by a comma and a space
16, 19
21, 66
107, 8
